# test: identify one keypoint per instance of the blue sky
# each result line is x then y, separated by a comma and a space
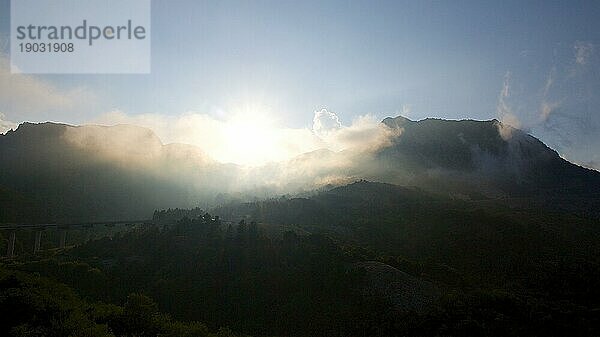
449, 59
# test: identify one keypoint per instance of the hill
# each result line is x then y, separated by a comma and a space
66, 173
485, 157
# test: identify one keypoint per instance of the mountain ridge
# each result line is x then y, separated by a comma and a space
126, 171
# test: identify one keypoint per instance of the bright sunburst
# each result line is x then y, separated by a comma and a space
249, 139
251, 136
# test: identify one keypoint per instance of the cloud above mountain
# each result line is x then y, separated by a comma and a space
560, 105
324, 121
251, 139
29, 98
506, 114
6, 125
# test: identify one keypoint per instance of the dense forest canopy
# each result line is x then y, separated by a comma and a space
307, 267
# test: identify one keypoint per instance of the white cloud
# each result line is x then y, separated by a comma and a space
559, 106
406, 110
254, 140
366, 133
242, 138
6, 125
546, 109
508, 119
549, 82
583, 51
325, 121
28, 98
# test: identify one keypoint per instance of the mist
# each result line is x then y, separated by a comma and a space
215, 160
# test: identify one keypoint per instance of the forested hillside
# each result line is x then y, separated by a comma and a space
307, 279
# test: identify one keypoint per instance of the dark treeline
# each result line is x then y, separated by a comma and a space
199, 270
31, 305
480, 243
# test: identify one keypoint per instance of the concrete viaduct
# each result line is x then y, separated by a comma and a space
12, 229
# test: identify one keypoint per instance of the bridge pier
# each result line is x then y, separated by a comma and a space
12, 228
38, 242
10, 252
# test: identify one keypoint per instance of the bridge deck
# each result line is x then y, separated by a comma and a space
16, 226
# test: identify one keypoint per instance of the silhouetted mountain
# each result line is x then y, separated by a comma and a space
62, 172
96, 173
483, 156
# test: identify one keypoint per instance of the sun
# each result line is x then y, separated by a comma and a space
251, 138
252, 135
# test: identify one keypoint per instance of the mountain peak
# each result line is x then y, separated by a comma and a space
397, 122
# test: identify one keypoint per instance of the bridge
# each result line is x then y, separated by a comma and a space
12, 228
